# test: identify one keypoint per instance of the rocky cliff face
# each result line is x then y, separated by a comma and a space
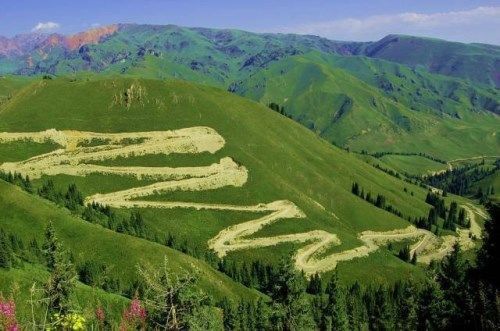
25, 44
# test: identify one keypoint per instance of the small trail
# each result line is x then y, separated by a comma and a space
450, 163
80, 149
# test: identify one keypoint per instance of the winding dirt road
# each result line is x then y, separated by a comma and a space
75, 158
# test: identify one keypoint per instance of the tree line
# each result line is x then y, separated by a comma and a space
378, 201
451, 216
457, 294
279, 109
378, 155
255, 274
461, 180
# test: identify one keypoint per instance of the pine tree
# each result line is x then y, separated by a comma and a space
451, 277
355, 188
314, 287
262, 315
173, 300
242, 317
336, 308
73, 198
61, 282
431, 307
137, 223
414, 258
51, 246
48, 191
379, 314
404, 296
404, 253
6, 255
488, 258
251, 318
433, 216
229, 314
369, 197
461, 218
356, 312
380, 202
291, 308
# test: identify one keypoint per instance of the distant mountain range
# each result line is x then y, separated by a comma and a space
225, 53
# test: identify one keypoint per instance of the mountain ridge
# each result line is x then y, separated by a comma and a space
20, 56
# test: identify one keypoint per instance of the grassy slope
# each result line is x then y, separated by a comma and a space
285, 160
9, 85
412, 164
19, 281
28, 215
475, 62
341, 99
490, 181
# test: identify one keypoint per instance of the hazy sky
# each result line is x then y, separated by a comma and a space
468, 21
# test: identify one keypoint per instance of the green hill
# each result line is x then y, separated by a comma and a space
27, 216
372, 105
283, 176
474, 62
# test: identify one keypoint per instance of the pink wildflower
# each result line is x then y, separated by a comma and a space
100, 315
8, 315
135, 311
13, 327
135, 314
7, 309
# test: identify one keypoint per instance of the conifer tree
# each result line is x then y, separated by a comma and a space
229, 314
414, 258
431, 307
433, 216
355, 308
488, 259
314, 286
404, 253
172, 300
404, 296
51, 246
335, 309
355, 188
61, 282
451, 276
6, 256
262, 316
379, 312
291, 308
461, 218
73, 198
